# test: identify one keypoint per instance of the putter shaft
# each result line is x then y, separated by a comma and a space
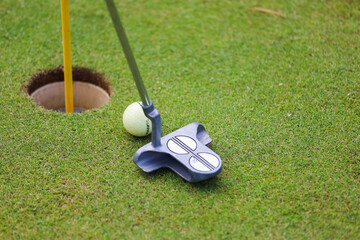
127, 51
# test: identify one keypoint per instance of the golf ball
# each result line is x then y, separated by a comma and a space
135, 121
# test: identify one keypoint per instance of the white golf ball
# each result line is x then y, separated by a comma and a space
135, 121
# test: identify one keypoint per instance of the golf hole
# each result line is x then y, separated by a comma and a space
90, 90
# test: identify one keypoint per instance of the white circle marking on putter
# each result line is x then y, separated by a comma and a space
174, 147
210, 158
188, 141
196, 164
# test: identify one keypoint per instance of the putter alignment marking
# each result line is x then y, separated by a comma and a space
186, 145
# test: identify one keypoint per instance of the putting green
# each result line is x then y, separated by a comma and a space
278, 92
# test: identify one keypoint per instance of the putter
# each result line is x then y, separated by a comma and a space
183, 151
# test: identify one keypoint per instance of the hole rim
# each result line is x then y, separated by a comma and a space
85, 77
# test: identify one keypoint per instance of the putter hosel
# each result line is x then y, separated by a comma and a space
153, 114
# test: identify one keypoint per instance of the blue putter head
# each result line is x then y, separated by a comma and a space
183, 151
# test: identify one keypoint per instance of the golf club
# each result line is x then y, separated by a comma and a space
183, 151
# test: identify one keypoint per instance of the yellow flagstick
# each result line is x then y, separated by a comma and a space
65, 20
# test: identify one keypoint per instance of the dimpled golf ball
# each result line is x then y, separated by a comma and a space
135, 121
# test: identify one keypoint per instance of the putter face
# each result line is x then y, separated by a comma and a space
183, 151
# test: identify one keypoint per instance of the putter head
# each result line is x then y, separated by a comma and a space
183, 151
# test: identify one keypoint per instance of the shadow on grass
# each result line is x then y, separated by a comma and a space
167, 176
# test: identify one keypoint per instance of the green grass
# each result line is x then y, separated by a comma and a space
279, 96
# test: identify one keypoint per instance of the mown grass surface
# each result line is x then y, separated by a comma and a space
279, 96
